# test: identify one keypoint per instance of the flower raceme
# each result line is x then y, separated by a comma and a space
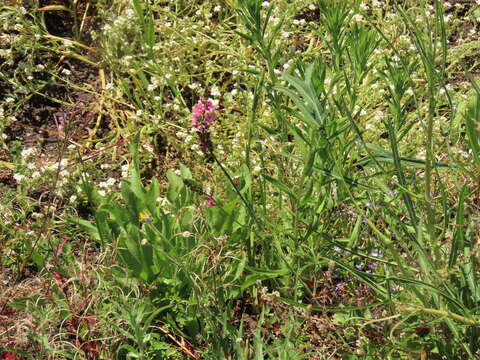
203, 115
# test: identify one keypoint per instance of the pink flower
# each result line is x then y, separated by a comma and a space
203, 114
210, 202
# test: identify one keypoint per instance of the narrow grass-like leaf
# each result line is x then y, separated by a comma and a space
279, 186
459, 234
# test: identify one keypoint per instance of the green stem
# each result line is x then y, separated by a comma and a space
245, 202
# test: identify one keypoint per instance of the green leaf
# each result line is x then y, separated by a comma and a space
459, 234
262, 274
101, 220
186, 218
279, 185
241, 267
221, 219
472, 123
139, 10
87, 226
21, 303
341, 318
175, 186
132, 255
132, 203
185, 172
305, 114
151, 196
135, 180
307, 170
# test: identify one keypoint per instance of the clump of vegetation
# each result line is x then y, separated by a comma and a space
239, 179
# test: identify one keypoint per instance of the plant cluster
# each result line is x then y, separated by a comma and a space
239, 179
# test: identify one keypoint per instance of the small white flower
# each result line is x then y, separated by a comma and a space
180, 134
18, 177
9, 100
152, 87
378, 116
111, 181
27, 152
357, 17
37, 215
215, 91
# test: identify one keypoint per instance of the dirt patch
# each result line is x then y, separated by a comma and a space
16, 324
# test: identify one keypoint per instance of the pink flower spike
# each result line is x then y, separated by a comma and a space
203, 114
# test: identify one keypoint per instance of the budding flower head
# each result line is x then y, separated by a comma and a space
203, 114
